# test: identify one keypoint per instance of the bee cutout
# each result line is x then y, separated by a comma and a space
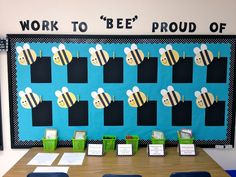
170, 96
203, 56
65, 98
29, 99
169, 56
134, 56
26, 55
136, 97
99, 57
204, 98
61, 55
101, 99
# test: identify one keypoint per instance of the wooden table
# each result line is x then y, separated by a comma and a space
138, 164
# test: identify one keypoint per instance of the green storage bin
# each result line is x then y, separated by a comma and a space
185, 140
49, 145
78, 145
158, 141
109, 142
134, 141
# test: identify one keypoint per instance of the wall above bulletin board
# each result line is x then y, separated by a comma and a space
121, 85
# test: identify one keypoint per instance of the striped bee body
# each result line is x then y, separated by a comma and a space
203, 56
204, 99
136, 98
61, 56
101, 99
99, 57
170, 97
29, 99
26, 55
169, 57
134, 56
102, 57
65, 98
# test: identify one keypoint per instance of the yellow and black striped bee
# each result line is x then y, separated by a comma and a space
169, 57
61, 55
99, 57
204, 98
203, 56
134, 56
101, 99
136, 97
170, 96
26, 55
65, 98
29, 99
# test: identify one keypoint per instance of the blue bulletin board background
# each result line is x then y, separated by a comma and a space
207, 132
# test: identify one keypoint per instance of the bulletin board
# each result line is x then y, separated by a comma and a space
121, 85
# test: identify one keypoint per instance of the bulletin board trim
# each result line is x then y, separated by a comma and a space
15, 143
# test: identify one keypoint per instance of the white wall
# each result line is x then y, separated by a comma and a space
201, 12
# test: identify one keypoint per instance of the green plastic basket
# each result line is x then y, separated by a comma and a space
78, 144
109, 142
185, 140
49, 145
158, 141
134, 142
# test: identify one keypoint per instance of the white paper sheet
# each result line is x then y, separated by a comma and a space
72, 159
52, 169
43, 159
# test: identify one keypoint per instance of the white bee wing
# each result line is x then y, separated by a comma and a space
61, 47
98, 47
100, 90
134, 47
129, 92
203, 47
196, 50
26, 46
64, 89
94, 94
135, 89
127, 50
28, 90
21, 93
197, 94
19, 49
204, 90
162, 50
55, 50
169, 47
58, 93
92, 50
170, 88
163, 92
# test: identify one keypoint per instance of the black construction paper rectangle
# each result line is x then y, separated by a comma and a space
147, 71
114, 114
42, 114
147, 114
182, 114
78, 114
113, 71
77, 70
215, 114
183, 71
217, 70
41, 70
